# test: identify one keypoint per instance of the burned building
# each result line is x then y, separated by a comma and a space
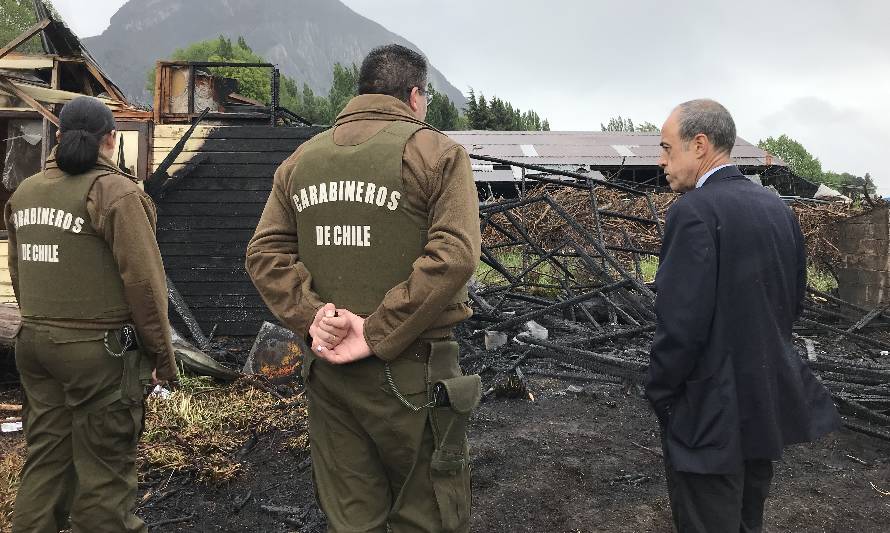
623, 157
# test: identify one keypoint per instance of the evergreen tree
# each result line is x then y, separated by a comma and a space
471, 114
441, 112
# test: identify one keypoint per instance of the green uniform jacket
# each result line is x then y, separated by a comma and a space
125, 218
437, 186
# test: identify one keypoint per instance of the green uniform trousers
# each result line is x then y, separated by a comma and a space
81, 461
373, 456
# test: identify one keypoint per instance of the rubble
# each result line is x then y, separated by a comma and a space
568, 256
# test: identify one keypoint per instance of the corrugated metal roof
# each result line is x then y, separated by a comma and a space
589, 148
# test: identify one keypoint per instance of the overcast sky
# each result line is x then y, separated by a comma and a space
817, 70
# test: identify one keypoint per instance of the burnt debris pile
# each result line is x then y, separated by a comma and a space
565, 290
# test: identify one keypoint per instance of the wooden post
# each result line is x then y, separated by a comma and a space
160, 71
112, 91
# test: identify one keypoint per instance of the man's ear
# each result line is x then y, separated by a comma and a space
701, 143
414, 99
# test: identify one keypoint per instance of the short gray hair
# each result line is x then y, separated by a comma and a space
709, 118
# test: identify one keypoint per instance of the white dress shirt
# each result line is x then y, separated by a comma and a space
701, 181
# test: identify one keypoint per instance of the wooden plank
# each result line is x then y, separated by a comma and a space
236, 210
187, 223
179, 262
225, 158
251, 301
215, 197
13, 88
226, 171
103, 81
211, 182
241, 329
171, 131
208, 275
229, 145
26, 63
230, 314
25, 35
191, 250
211, 288
57, 96
199, 236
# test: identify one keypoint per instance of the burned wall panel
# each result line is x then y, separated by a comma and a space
863, 271
205, 222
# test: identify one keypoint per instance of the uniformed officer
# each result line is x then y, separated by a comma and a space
88, 277
379, 218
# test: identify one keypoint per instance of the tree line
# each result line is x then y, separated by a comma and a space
806, 165
442, 113
799, 160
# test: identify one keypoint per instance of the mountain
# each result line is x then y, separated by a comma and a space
303, 37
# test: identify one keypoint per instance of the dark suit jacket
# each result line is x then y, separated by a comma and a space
724, 377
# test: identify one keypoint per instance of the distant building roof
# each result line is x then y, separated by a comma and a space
588, 148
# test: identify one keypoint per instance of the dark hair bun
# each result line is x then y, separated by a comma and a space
78, 151
82, 123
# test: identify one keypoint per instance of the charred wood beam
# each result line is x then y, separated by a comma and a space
823, 312
844, 333
628, 332
595, 268
602, 251
480, 301
532, 244
840, 302
493, 209
574, 375
654, 212
871, 315
525, 272
596, 362
860, 410
557, 306
160, 181
529, 298
489, 259
634, 255
37, 106
865, 429
501, 229
882, 376
584, 310
103, 81
25, 35
182, 308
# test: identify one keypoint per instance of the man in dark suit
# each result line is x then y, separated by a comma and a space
727, 385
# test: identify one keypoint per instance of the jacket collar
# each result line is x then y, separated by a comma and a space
376, 107
724, 173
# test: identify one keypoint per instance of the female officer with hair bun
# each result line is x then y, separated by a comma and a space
90, 284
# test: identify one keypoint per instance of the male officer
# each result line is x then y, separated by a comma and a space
724, 379
379, 217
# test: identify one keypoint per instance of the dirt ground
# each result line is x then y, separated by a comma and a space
568, 461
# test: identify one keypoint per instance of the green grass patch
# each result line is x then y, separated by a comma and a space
820, 279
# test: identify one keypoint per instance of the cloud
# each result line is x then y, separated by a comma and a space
845, 137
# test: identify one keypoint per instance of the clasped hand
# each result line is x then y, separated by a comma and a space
338, 335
